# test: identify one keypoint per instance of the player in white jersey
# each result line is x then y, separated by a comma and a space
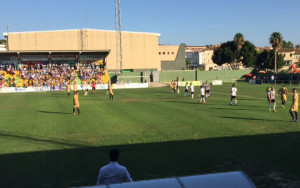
192, 90
273, 98
186, 91
202, 93
207, 89
269, 97
233, 94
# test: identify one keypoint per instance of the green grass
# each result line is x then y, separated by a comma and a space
160, 134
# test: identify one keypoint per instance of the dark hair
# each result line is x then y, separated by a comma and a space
294, 89
232, 85
114, 155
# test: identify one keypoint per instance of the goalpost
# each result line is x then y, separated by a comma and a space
133, 79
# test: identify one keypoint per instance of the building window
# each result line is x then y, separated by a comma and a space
168, 53
159, 53
163, 53
291, 54
283, 55
172, 53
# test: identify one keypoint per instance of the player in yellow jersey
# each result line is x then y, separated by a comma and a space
76, 103
283, 93
74, 86
294, 107
111, 93
68, 89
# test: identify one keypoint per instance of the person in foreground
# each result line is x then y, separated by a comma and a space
294, 107
113, 172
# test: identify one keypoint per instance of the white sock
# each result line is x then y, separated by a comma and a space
192, 96
274, 106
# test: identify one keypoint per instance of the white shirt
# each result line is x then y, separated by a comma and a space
207, 86
192, 88
233, 91
113, 173
272, 93
202, 91
187, 87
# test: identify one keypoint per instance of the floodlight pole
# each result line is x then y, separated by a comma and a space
119, 63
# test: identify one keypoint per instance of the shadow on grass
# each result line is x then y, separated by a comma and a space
232, 108
50, 112
248, 118
257, 155
44, 140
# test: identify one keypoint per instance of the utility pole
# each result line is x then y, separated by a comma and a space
119, 64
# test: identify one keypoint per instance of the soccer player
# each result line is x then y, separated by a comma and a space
202, 93
273, 98
233, 94
94, 87
294, 107
108, 88
178, 84
74, 86
111, 93
207, 89
173, 86
283, 93
192, 90
269, 97
76, 103
186, 91
68, 89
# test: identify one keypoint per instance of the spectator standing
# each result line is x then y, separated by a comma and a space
113, 172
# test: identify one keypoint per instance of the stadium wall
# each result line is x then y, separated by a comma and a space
178, 63
140, 50
225, 75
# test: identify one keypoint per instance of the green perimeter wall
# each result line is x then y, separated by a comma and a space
168, 76
225, 75
188, 75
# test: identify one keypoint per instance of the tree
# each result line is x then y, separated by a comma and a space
266, 58
298, 46
224, 54
2, 41
228, 53
276, 42
288, 44
248, 54
239, 41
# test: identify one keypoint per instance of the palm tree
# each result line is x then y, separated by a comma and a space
276, 42
239, 41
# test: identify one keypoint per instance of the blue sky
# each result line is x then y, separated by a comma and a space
194, 22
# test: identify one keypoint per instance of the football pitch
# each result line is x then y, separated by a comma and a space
160, 134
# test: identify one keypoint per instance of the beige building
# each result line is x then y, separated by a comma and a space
140, 50
172, 57
291, 56
209, 63
201, 56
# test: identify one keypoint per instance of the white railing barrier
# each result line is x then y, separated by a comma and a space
218, 180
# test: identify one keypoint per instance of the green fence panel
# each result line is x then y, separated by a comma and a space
168, 76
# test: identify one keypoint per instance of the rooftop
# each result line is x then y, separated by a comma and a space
5, 33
